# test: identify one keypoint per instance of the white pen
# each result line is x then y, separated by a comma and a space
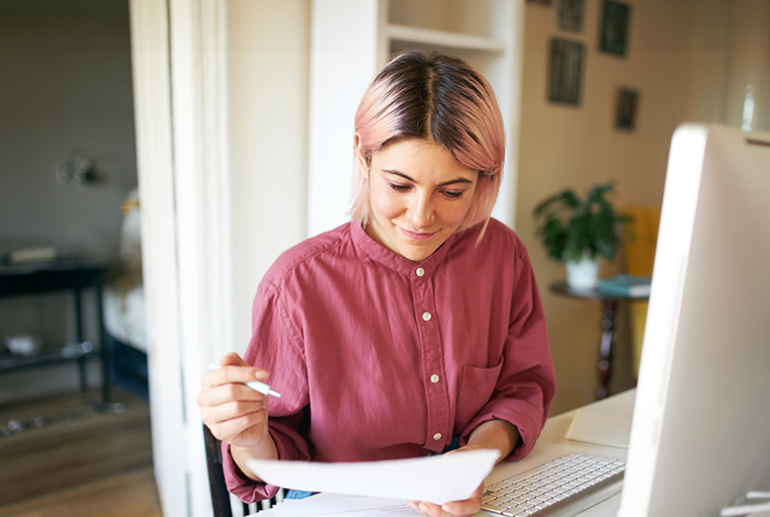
261, 387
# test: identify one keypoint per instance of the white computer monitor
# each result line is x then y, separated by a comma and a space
700, 436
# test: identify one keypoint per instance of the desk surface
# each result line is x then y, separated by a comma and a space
552, 444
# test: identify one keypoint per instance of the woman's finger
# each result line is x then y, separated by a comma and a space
232, 410
430, 509
470, 506
217, 395
229, 430
232, 359
229, 374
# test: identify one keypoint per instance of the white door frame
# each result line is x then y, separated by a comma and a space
178, 54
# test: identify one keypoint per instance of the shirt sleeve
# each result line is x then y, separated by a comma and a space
275, 346
527, 383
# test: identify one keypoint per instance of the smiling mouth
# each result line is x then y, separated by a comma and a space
417, 236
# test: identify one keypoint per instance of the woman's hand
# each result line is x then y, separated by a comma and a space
469, 506
235, 413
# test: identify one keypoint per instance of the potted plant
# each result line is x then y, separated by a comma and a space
580, 231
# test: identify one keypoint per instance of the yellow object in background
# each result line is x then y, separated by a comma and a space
639, 242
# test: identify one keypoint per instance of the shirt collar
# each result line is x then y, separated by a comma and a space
393, 260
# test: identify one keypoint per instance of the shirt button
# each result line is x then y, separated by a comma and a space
437, 436
434, 378
420, 271
426, 316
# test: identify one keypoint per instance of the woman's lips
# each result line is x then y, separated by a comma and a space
417, 236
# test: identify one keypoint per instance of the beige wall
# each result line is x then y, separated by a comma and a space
691, 60
748, 62
711, 60
565, 146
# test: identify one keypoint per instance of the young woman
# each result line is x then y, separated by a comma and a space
416, 328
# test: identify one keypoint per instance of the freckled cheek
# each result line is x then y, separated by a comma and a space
454, 214
386, 207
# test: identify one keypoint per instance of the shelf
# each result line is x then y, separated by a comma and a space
443, 39
56, 275
19, 362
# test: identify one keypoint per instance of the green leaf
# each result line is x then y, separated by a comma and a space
569, 226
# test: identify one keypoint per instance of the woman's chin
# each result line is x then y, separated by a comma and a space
415, 252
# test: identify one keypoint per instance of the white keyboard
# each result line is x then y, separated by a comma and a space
552, 485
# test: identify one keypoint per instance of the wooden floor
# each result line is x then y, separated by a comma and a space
83, 463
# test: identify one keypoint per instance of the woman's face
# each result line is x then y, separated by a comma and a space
418, 195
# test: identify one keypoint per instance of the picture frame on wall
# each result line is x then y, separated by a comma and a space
565, 71
616, 18
627, 108
571, 14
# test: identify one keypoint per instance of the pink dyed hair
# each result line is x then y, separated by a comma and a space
444, 100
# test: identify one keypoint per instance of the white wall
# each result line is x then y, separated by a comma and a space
268, 73
222, 84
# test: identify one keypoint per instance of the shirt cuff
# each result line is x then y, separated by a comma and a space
519, 413
245, 488
238, 484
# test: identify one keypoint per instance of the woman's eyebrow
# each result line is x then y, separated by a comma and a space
451, 182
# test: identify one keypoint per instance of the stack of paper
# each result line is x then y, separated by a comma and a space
347, 506
438, 479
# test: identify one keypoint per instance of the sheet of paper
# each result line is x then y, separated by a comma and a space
438, 479
599, 429
342, 506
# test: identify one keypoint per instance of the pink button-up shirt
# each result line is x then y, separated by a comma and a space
377, 357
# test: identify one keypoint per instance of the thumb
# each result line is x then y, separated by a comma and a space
232, 359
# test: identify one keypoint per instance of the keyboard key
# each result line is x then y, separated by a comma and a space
494, 507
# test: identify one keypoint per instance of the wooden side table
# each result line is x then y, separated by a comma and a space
610, 305
60, 275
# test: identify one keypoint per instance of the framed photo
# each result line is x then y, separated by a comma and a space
628, 105
540, 2
565, 71
614, 28
571, 13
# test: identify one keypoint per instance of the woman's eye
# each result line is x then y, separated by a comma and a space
453, 194
398, 188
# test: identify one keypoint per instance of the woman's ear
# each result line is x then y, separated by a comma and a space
360, 155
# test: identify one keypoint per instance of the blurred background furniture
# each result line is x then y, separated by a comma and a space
61, 275
609, 309
639, 249
124, 307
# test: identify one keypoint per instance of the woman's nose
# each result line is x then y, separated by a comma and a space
422, 214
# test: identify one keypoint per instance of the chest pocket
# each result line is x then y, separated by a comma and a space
476, 388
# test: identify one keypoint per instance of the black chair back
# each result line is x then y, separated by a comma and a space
220, 497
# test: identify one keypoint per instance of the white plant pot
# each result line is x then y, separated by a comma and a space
583, 274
